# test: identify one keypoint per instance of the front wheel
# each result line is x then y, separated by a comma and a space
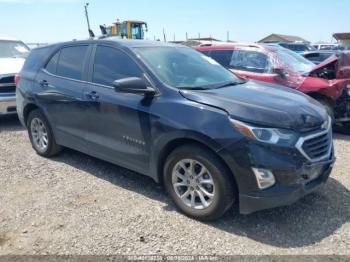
198, 182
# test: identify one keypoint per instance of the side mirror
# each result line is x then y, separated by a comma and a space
134, 85
280, 71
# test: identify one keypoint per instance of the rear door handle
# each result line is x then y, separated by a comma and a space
93, 95
44, 84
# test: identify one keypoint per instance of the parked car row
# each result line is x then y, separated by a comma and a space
213, 138
328, 82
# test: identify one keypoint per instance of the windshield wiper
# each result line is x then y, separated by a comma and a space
233, 83
192, 88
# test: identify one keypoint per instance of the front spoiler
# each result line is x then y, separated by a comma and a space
249, 204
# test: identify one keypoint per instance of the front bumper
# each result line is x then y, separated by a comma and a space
7, 104
295, 175
280, 195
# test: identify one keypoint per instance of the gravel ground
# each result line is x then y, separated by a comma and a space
76, 204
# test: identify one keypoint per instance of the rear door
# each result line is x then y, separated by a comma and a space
118, 123
61, 84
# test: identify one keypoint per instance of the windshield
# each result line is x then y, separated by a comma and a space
13, 49
294, 61
185, 68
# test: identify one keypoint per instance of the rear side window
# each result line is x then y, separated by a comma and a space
71, 62
111, 64
36, 59
223, 57
250, 61
52, 64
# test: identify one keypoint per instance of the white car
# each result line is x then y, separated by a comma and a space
12, 55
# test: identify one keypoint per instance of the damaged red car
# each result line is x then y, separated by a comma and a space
328, 82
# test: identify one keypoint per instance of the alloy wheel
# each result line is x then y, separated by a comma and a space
193, 183
39, 134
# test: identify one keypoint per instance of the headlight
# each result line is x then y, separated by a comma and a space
267, 135
348, 88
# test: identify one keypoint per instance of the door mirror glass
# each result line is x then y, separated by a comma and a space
133, 85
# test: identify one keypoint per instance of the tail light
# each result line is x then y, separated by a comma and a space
17, 79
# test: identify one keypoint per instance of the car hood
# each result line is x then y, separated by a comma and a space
11, 65
343, 67
264, 104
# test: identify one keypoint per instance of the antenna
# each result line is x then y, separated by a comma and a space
91, 33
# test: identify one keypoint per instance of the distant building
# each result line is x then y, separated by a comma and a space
342, 38
283, 38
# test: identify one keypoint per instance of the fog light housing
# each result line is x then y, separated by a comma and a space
264, 178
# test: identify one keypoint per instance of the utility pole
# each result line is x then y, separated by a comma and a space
164, 37
228, 36
199, 35
186, 36
91, 34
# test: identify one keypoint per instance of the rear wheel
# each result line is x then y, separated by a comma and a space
41, 135
198, 182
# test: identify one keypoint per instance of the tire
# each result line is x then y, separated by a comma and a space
329, 108
222, 190
40, 135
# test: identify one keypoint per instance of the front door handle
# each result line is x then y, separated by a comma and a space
93, 95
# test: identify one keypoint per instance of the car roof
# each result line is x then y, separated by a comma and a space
129, 43
258, 46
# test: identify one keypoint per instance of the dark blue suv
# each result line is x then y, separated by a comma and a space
171, 113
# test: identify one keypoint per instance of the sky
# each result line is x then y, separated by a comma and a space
48, 21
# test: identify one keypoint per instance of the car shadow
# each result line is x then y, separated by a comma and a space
304, 223
10, 123
340, 136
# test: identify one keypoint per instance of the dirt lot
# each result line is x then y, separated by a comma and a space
75, 204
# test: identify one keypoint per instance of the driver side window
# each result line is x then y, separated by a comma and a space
250, 61
111, 64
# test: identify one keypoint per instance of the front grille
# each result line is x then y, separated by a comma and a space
316, 146
7, 84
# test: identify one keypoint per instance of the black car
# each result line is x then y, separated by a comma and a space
168, 112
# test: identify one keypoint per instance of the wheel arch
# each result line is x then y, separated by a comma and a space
174, 143
26, 111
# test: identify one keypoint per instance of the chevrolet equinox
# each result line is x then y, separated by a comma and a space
169, 112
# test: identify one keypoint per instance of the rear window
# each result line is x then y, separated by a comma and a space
71, 62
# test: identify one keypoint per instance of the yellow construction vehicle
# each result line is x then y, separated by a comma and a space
130, 29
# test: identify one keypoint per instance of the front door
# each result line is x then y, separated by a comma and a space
119, 123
